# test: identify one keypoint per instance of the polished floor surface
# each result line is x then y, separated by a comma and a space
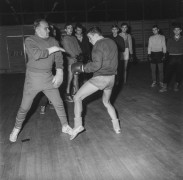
150, 146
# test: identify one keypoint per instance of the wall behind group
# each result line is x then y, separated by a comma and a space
12, 51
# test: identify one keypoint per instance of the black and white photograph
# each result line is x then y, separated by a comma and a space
91, 89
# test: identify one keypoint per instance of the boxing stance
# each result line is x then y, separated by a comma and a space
42, 52
104, 67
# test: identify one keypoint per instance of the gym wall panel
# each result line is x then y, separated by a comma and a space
13, 59
16, 53
4, 63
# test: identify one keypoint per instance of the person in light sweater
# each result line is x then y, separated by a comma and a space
128, 52
121, 48
156, 56
42, 52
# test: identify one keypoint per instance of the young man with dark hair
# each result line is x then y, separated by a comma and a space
121, 48
156, 55
42, 52
175, 59
83, 42
104, 67
72, 49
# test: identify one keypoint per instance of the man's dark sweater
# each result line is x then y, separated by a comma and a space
175, 47
119, 41
104, 58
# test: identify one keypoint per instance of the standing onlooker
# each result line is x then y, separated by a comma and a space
84, 44
156, 55
121, 48
104, 67
73, 49
175, 59
128, 53
42, 52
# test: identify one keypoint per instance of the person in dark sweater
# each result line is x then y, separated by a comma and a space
121, 48
175, 59
118, 40
84, 44
73, 50
104, 67
42, 52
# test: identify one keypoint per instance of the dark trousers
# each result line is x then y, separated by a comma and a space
174, 68
35, 83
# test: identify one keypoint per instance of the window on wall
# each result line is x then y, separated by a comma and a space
117, 4
11, 19
29, 18
56, 17
116, 15
54, 6
76, 17
170, 9
96, 16
152, 9
96, 5
77, 5
28, 6
134, 10
87, 10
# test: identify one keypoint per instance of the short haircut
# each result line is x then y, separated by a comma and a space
124, 24
155, 26
67, 24
114, 26
177, 25
79, 25
37, 22
95, 30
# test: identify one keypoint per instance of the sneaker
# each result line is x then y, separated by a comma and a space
76, 131
176, 87
14, 134
163, 89
116, 126
43, 109
68, 98
161, 84
153, 84
67, 129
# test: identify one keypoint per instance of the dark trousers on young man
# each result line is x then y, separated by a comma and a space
174, 68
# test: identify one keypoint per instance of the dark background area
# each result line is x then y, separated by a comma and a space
24, 12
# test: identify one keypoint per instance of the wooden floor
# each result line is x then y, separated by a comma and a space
150, 146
